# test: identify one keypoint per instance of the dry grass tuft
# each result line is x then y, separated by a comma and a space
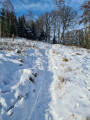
65, 60
55, 52
21, 60
19, 51
78, 54
60, 83
21, 65
31, 79
35, 74
62, 79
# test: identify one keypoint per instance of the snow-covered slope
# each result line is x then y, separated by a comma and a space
70, 89
39, 81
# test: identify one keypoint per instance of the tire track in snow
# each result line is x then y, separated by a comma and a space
37, 99
42, 91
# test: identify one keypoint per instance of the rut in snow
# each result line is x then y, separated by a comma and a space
42, 100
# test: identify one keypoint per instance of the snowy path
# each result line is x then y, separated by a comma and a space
43, 96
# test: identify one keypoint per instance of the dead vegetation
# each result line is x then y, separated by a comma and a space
55, 52
19, 51
62, 79
21, 60
11, 46
61, 82
65, 60
31, 79
35, 74
78, 54
21, 65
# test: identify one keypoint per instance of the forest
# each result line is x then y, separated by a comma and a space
59, 26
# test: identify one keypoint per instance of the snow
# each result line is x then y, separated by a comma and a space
70, 89
39, 81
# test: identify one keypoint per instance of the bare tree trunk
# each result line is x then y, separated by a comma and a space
62, 37
89, 33
78, 38
84, 33
13, 37
0, 29
49, 33
59, 38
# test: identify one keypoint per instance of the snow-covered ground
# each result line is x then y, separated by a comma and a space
39, 81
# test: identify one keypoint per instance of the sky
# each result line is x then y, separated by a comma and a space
40, 6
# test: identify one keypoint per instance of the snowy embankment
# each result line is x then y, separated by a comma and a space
70, 89
39, 81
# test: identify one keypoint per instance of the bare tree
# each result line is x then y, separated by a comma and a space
39, 25
68, 19
30, 17
47, 25
7, 5
58, 5
54, 21
86, 19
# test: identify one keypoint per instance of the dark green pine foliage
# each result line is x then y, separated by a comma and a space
33, 35
54, 40
13, 23
21, 29
8, 23
42, 36
3, 22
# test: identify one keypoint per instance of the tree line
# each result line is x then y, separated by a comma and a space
54, 26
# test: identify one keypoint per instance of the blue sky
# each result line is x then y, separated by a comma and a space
40, 6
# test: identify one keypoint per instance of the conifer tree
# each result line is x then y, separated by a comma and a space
33, 32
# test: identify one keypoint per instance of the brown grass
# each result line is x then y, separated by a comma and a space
62, 79
65, 60
78, 54
60, 83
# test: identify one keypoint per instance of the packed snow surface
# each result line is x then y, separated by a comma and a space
39, 81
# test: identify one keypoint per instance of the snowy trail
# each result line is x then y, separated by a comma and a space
43, 97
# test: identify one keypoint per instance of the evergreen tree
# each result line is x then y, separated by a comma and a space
13, 22
42, 36
33, 32
3, 22
22, 28
54, 40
